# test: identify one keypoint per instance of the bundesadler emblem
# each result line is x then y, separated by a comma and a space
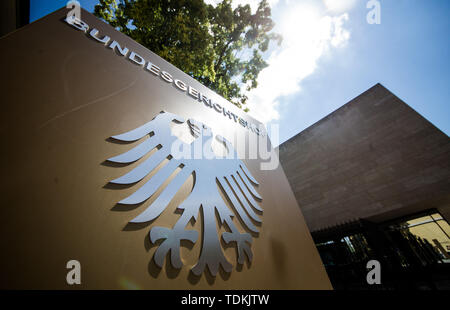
212, 174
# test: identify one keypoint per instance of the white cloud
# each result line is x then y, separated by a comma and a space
307, 35
339, 6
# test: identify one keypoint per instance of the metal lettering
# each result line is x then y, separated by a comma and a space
136, 59
181, 85
217, 107
152, 68
77, 23
116, 46
94, 33
166, 77
193, 92
205, 100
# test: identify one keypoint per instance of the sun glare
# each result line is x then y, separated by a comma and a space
299, 23
339, 6
308, 33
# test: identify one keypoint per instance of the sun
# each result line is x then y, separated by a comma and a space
300, 23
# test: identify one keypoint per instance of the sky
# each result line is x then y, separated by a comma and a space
330, 54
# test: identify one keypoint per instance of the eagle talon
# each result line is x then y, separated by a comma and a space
243, 242
213, 264
171, 243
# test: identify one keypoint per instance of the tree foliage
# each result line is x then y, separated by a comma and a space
218, 46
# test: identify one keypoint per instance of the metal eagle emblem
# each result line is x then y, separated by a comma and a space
211, 175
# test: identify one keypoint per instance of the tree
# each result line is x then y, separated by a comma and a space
204, 41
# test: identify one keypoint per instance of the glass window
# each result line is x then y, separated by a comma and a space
435, 229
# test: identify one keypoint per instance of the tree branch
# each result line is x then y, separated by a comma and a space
216, 67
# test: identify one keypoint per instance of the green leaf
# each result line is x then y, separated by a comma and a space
201, 40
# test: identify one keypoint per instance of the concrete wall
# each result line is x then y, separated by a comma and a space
374, 158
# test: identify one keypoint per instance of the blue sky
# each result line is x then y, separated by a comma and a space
331, 54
